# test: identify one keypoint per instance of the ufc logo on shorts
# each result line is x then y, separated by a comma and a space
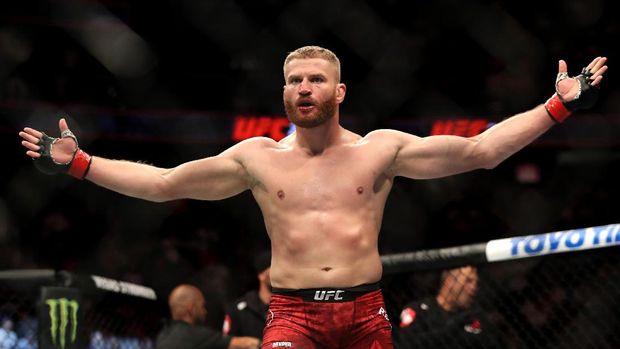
327, 295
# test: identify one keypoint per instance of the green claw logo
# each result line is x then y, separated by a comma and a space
62, 312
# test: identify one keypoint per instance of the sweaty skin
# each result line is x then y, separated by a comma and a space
322, 190
323, 231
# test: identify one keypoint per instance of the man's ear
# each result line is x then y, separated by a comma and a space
341, 91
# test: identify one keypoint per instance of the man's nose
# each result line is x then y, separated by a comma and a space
304, 88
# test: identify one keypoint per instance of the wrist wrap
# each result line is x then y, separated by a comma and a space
556, 109
77, 167
80, 164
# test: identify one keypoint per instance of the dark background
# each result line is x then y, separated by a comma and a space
161, 81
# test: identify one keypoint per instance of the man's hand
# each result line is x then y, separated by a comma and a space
64, 148
56, 155
568, 88
574, 93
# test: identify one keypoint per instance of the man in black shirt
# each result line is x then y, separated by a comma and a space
449, 319
246, 316
185, 330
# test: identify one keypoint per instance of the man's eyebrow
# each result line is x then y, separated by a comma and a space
311, 75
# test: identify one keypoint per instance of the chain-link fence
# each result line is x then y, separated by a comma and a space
569, 300
18, 316
114, 321
38, 310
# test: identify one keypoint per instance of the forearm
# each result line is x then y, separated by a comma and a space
134, 179
572, 94
511, 135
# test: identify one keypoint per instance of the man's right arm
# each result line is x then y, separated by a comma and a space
211, 178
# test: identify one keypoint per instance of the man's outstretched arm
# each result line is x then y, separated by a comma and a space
212, 178
439, 156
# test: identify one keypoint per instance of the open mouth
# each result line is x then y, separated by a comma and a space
305, 106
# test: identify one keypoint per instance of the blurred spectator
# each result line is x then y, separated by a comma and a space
185, 330
27, 342
26, 329
246, 316
448, 319
8, 337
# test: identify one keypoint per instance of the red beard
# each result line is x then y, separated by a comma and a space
322, 113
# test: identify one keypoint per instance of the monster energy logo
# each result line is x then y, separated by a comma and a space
62, 312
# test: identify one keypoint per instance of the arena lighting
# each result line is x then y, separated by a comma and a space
460, 127
275, 127
278, 127
113, 43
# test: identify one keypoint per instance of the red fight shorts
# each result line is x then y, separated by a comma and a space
330, 318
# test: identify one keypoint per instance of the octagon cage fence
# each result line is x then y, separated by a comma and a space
552, 290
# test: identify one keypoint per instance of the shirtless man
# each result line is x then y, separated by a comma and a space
322, 191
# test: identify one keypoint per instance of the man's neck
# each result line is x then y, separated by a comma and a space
444, 303
317, 139
186, 319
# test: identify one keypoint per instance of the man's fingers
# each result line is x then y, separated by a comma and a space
600, 65
562, 67
31, 146
599, 72
596, 64
593, 63
33, 154
62, 124
33, 132
597, 81
29, 138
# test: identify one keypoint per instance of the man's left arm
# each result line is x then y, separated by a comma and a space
440, 156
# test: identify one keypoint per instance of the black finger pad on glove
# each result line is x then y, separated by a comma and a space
589, 93
44, 163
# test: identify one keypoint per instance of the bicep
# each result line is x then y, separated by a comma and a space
436, 156
212, 178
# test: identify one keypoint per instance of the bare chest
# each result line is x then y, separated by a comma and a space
338, 178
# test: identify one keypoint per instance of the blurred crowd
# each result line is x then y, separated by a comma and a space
442, 58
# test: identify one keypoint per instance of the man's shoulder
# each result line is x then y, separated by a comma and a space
386, 136
178, 334
383, 132
252, 147
258, 143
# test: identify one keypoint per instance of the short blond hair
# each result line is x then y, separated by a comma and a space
313, 52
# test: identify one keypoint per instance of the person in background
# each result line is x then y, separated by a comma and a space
246, 316
186, 329
8, 337
449, 319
